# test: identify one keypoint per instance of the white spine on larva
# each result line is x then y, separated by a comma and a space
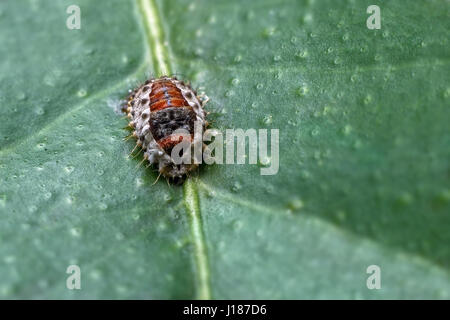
191, 99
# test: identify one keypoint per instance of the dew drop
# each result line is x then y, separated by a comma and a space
198, 33
89, 51
48, 80
69, 169
2, 200
264, 161
405, 199
119, 236
302, 54
39, 111
139, 182
69, 200
21, 96
191, 6
5, 290
121, 290
268, 32
95, 274
444, 196
236, 187
162, 226
357, 144
9, 259
82, 93
267, 119
237, 225
75, 232
167, 198
199, 52
303, 90
212, 19
210, 193
341, 215
347, 129
295, 204
307, 18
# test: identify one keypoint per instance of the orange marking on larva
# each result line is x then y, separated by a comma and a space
165, 95
171, 141
163, 86
161, 95
176, 102
159, 105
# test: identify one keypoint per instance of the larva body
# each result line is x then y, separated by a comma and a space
157, 109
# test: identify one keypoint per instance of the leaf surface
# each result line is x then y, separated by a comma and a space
364, 159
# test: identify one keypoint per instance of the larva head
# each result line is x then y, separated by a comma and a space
177, 172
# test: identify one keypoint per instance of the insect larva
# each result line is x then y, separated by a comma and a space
157, 109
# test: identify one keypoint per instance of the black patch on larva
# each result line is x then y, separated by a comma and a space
164, 122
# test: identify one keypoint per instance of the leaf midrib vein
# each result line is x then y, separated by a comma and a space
161, 66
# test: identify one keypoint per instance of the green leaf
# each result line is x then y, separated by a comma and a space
364, 159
